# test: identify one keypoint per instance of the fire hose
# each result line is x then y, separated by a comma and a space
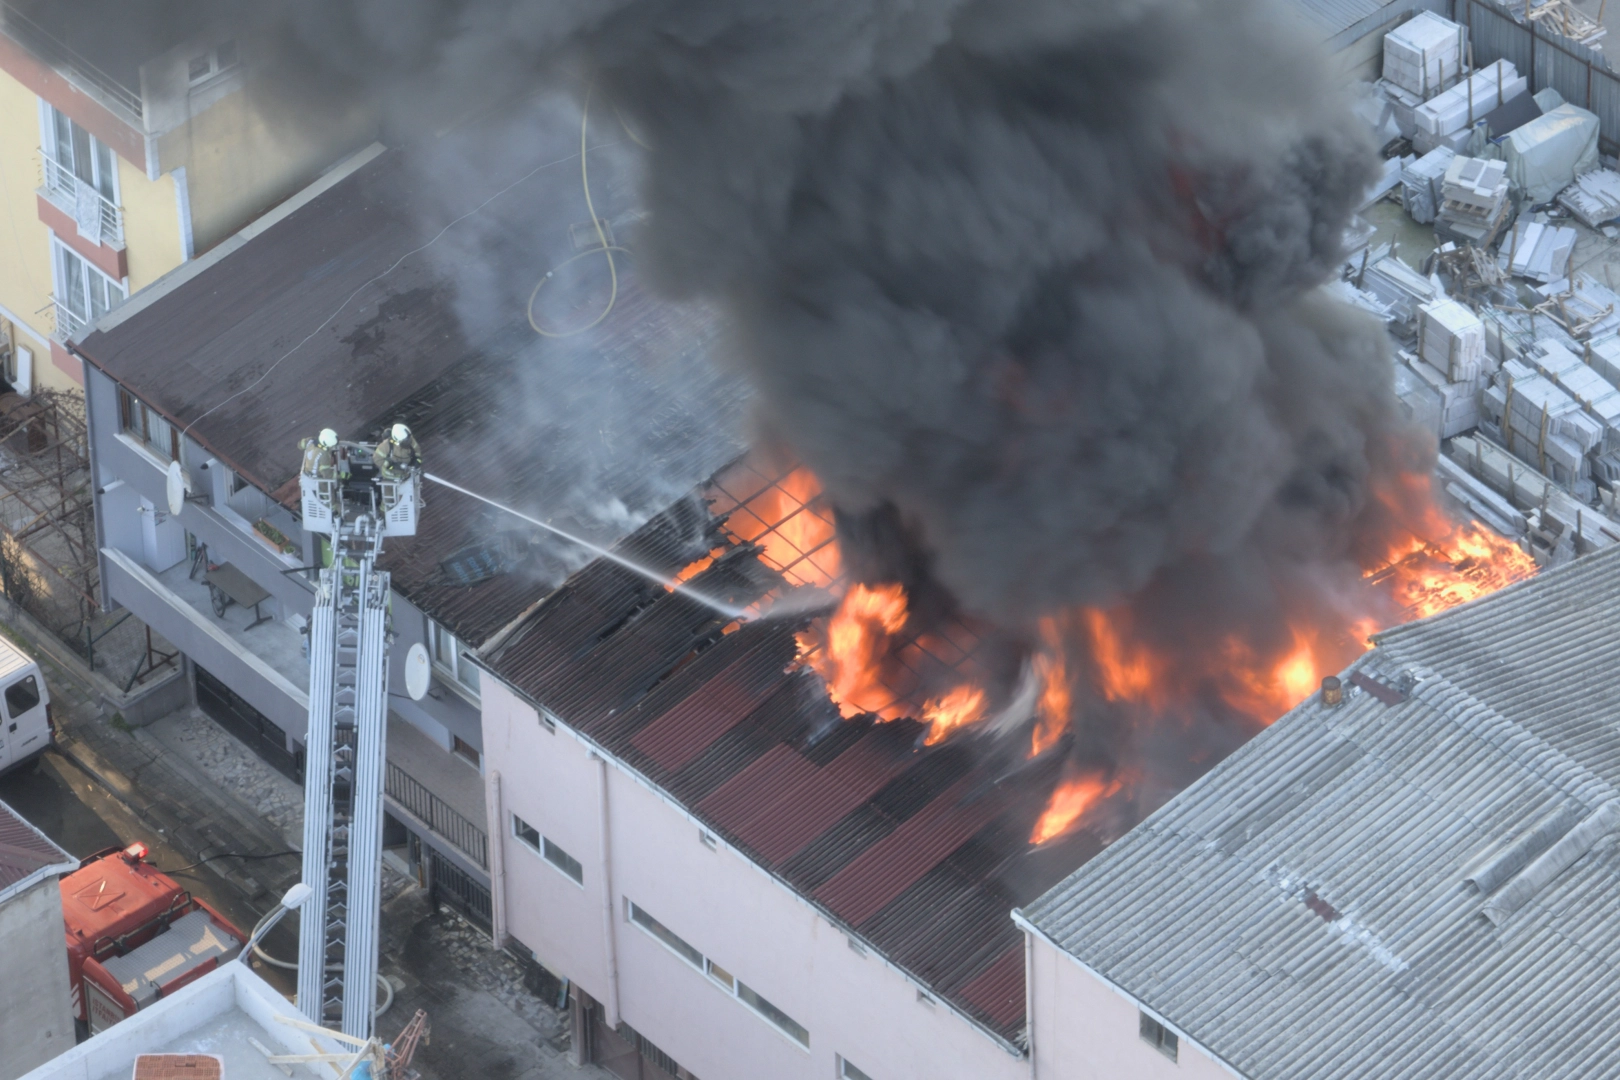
258, 950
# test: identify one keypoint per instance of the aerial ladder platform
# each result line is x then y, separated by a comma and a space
346, 743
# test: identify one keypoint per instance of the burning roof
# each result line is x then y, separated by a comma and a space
816, 738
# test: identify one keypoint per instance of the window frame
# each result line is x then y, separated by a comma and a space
846, 1071
1158, 1035
550, 852
137, 420
103, 163
457, 673
64, 262
726, 982
216, 67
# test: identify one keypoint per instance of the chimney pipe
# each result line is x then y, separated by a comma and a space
1332, 690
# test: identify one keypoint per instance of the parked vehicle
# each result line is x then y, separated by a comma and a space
134, 935
26, 730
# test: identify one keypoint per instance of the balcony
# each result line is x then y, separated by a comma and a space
30, 29
98, 220
264, 664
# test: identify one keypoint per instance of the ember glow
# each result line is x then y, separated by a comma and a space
866, 650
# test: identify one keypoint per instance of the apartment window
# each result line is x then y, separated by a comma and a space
77, 154
464, 749
84, 293
205, 66
846, 1071
139, 421
542, 846
450, 657
658, 930
1157, 1036
720, 976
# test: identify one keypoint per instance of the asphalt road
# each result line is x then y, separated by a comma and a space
71, 808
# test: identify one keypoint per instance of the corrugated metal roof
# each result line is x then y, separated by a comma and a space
1302, 910
26, 852
594, 433
1336, 15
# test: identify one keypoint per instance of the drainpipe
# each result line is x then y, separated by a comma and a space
610, 944
497, 857
1029, 1001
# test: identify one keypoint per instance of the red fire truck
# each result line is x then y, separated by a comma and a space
134, 935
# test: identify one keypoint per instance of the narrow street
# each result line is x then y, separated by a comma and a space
191, 792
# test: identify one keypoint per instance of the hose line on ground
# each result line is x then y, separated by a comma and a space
258, 950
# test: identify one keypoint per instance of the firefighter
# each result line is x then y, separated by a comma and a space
320, 459
397, 455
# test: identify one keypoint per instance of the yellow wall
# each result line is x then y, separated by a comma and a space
25, 254
151, 225
238, 164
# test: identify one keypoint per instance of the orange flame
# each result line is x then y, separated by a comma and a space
959, 707
848, 655
1057, 699
1070, 801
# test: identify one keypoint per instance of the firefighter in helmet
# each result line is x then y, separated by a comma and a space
320, 455
397, 455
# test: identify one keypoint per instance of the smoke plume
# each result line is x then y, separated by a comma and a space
1029, 286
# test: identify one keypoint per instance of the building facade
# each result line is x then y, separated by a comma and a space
36, 1007
122, 159
230, 579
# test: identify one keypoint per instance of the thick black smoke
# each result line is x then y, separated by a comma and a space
1030, 286
1030, 278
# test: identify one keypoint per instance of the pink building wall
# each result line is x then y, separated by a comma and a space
746, 921
1085, 1029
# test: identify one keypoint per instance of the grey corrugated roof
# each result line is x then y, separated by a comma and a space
1336, 15
1302, 911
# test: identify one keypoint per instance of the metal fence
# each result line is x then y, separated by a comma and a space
1581, 75
452, 885
409, 793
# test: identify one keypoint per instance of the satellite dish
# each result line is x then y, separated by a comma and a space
177, 488
417, 671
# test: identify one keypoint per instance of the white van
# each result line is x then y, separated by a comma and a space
25, 726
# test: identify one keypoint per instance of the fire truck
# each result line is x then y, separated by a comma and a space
134, 935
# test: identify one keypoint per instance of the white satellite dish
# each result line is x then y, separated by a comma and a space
177, 488
417, 671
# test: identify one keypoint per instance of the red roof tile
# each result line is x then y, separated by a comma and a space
999, 989
887, 868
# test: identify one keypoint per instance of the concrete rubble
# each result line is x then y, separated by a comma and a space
1506, 333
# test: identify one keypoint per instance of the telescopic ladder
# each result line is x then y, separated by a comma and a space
346, 743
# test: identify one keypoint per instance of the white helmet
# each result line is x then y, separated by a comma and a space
401, 432
328, 438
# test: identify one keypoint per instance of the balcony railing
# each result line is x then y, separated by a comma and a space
405, 790
68, 325
51, 49
97, 217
